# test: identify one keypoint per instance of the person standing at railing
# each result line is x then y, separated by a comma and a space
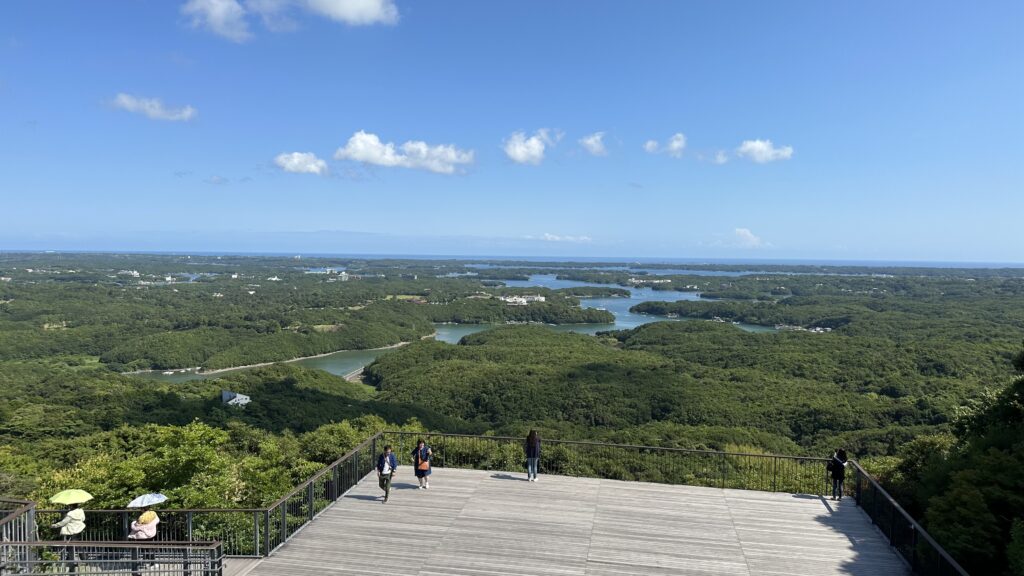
837, 467
387, 464
532, 449
72, 524
421, 456
145, 529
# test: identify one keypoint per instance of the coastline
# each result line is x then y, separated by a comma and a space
261, 364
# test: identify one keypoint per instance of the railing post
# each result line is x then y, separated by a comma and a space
136, 568
310, 495
856, 490
284, 521
266, 532
775, 473
722, 466
215, 561
188, 526
125, 526
914, 564
256, 533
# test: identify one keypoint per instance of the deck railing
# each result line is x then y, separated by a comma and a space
917, 547
115, 558
17, 524
259, 532
767, 472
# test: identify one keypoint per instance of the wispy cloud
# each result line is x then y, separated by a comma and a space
301, 163
594, 144
720, 157
367, 148
230, 18
222, 17
355, 12
548, 237
528, 150
744, 238
153, 108
674, 147
763, 151
217, 180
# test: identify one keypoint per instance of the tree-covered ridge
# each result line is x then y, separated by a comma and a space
236, 312
815, 390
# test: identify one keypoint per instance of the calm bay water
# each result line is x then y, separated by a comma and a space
347, 361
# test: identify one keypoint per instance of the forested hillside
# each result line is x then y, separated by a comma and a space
905, 368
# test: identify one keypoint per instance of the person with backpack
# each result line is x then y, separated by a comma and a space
532, 449
837, 468
387, 464
421, 456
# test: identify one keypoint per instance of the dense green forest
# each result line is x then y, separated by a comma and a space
911, 369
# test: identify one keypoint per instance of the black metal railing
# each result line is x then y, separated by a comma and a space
239, 530
259, 532
115, 558
766, 472
291, 513
905, 535
17, 524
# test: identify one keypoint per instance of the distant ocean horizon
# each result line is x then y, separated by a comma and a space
550, 259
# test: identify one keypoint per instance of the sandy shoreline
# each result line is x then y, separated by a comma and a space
247, 366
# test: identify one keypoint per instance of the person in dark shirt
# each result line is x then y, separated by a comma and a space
532, 449
837, 467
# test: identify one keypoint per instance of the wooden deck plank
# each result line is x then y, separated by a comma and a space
476, 523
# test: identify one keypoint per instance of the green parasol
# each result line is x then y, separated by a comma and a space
71, 497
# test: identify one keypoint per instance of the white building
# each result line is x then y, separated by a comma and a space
234, 398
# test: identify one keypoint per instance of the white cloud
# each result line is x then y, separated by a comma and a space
216, 180
548, 237
720, 157
367, 148
594, 144
222, 17
301, 163
530, 150
230, 18
274, 14
676, 145
355, 12
762, 151
744, 238
153, 108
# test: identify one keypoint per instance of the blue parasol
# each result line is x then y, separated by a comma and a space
147, 500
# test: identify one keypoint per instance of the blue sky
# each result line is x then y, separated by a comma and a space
755, 130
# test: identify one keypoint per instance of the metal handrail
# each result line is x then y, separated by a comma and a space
918, 531
608, 444
190, 558
344, 458
281, 520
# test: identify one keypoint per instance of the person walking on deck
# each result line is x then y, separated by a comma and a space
837, 467
532, 449
421, 456
387, 464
